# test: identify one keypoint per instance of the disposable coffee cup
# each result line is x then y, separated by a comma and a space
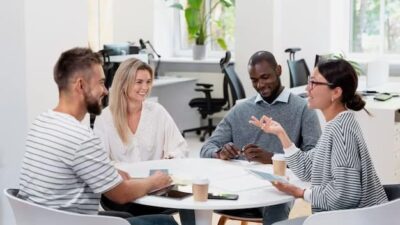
279, 164
200, 189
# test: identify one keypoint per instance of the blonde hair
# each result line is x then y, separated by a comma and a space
123, 79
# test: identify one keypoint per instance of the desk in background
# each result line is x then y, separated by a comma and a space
174, 93
121, 58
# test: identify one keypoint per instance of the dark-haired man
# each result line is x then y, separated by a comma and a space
65, 166
234, 133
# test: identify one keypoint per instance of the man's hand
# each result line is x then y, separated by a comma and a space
124, 175
254, 153
289, 189
229, 151
160, 180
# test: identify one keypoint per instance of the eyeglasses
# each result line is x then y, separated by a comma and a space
311, 83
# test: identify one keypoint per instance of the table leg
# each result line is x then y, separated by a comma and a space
203, 217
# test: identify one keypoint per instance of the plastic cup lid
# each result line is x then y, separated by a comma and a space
200, 180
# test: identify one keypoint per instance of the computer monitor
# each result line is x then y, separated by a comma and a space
117, 48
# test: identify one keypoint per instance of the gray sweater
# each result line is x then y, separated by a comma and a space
300, 123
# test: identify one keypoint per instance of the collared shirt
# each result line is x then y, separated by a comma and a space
283, 97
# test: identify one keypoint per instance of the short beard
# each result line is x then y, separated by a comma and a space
92, 105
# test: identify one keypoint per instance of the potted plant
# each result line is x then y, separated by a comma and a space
197, 21
341, 55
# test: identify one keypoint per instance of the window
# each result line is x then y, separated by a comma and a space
375, 26
222, 24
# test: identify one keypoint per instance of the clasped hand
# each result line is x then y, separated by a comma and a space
251, 152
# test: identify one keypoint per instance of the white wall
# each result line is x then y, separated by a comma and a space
133, 19
13, 118
275, 25
33, 35
254, 31
51, 28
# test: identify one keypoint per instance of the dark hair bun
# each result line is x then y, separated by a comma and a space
356, 103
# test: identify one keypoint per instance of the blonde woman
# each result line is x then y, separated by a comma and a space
133, 129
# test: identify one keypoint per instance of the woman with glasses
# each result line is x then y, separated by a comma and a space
339, 168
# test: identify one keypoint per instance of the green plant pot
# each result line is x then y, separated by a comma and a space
199, 52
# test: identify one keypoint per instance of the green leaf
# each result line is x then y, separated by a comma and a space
196, 4
222, 44
193, 22
226, 3
177, 6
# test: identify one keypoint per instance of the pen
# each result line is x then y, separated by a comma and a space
256, 139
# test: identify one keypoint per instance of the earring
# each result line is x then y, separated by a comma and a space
332, 99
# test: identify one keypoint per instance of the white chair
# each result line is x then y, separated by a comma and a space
387, 214
27, 213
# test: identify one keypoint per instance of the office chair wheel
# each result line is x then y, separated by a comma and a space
202, 139
198, 132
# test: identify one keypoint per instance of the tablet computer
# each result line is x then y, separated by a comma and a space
170, 192
268, 176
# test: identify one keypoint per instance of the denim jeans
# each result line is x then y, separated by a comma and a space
275, 213
187, 216
152, 220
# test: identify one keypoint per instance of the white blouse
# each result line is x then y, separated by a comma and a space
156, 137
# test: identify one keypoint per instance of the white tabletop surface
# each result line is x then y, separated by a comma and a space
224, 176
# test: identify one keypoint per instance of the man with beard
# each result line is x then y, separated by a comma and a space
65, 166
235, 138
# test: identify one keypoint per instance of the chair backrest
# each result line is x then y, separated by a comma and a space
231, 80
387, 214
299, 72
27, 213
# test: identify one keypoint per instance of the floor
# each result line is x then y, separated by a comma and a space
300, 207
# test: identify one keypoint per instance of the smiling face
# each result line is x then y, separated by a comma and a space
95, 90
265, 79
319, 94
141, 86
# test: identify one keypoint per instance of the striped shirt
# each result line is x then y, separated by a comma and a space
64, 165
339, 167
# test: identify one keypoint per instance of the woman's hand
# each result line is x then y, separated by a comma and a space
267, 125
271, 126
289, 189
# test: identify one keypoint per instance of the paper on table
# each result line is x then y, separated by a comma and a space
241, 183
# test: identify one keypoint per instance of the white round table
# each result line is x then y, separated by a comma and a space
224, 176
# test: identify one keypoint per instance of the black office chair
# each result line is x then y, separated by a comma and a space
234, 84
109, 69
298, 69
207, 106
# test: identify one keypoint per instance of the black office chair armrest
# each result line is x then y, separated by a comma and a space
292, 50
207, 93
205, 90
204, 85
